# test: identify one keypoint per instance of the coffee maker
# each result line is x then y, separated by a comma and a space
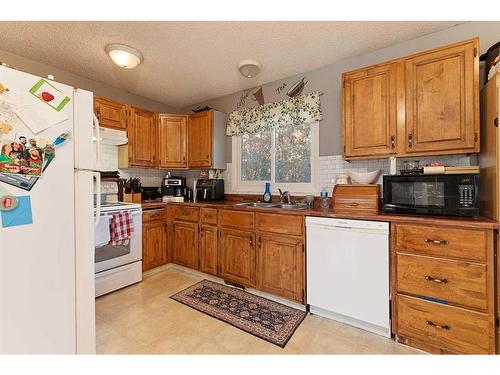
210, 190
173, 189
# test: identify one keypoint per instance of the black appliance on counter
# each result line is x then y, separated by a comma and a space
210, 190
150, 193
436, 194
174, 187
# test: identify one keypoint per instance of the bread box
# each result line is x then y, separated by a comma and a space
356, 198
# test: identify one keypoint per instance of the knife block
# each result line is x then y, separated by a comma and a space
356, 199
132, 197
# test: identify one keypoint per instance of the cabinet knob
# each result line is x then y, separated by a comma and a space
393, 141
410, 140
251, 241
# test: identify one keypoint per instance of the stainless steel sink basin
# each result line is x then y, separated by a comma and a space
257, 204
286, 206
289, 206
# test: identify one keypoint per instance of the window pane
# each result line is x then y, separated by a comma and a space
293, 154
256, 157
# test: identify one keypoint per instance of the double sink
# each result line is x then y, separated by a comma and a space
286, 206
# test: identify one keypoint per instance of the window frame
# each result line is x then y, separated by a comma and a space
257, 187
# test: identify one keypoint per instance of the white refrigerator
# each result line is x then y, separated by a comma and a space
47, 303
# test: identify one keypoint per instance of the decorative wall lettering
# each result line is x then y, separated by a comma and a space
281, 87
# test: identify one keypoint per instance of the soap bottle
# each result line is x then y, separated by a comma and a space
325, 202
267, 193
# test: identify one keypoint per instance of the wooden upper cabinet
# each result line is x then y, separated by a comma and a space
424, 104
110, 114
370, 111
173, 141
442, 93
142, 133
200, 139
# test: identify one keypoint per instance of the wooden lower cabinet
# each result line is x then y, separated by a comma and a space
209, 260
237, 256
280, 265
442, 288
456, 329
154, 244
185, 244
268, 256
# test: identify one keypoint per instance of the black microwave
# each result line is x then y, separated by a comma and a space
439, 194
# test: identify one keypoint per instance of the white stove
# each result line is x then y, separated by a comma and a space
117, 266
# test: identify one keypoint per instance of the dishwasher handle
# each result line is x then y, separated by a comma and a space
342, 227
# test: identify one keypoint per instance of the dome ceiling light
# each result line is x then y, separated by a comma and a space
124, 56
249, 68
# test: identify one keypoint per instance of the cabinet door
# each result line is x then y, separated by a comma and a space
237, 251
208, 249
110, 114
142, 133
185, 244
154, 245
442, 100
281, 266
200, 139
173, 141
370, 111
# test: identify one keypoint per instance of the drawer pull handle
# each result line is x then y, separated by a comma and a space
432, 324
353, 204
436, 242
438, 281
155, 215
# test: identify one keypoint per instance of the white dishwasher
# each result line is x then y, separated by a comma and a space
348, 272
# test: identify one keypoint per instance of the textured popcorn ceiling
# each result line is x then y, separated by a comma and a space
189, 62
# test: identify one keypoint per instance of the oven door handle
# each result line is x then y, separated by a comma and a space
97, 176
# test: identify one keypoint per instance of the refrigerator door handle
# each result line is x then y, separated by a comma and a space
97, 195
97, 142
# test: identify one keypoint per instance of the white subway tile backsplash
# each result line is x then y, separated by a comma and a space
329, 168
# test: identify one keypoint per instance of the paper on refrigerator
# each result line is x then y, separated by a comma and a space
36, 115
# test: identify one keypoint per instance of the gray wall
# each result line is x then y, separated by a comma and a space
101, 89
328, 79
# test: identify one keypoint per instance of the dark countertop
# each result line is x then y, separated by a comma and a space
469, 222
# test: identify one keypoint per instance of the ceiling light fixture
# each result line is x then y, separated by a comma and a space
124, 56
249, 68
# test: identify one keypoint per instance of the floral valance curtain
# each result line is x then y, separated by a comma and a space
303, 109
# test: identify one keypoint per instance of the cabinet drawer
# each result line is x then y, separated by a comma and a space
237, 219
453, 281
439, 241
452, 328
185, 213
154, 215
282, 224
209, 216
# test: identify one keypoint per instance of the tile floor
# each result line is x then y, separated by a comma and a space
142, 319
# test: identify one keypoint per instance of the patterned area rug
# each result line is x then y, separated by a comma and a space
259, 316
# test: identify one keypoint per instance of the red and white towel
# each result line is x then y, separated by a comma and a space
121, 228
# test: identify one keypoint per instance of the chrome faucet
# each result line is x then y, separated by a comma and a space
285, 195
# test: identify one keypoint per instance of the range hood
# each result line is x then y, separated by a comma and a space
112, 136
